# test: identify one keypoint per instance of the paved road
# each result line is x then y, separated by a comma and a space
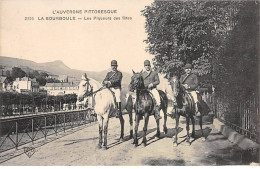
80, 148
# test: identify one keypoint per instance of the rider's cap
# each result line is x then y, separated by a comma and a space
113, 63
188, 66
147, 63
84, 76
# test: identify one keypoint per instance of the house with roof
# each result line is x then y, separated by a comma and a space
25, 84
61, 88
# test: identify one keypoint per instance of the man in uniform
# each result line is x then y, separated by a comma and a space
151, 80
113, 81
190, 83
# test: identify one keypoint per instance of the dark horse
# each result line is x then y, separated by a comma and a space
144, 106
185, 107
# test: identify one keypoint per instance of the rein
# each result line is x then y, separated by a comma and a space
91, 92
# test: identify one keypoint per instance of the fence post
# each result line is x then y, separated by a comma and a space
45, 133
64, 120
55, 124
16, 131
32, 132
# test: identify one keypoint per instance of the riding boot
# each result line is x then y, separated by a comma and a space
157, 113
118, 107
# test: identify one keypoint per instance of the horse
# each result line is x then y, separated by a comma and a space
144, 106
185, 107
104, 106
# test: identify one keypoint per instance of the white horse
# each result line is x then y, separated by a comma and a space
104, 104
166, 87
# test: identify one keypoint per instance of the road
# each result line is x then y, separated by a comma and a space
80, 149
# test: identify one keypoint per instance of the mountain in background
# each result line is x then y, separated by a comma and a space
56, 68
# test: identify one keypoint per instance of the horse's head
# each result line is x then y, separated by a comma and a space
137, 82
84, 88
178, 90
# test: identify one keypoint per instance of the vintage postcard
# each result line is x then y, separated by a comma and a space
129, 83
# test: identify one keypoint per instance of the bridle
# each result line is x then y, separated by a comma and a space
91, 92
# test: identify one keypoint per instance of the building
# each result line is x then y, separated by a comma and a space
25, 84
3, 83
61, 88
63, 78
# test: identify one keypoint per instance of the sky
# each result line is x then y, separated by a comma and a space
81, 44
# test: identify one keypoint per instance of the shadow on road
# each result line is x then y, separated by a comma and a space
163, 162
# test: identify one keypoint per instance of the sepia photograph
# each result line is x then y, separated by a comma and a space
129, 83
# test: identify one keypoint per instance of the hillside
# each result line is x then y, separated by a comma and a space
57, 68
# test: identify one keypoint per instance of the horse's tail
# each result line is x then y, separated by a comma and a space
164, 99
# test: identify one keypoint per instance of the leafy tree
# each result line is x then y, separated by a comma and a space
44, 74
17, 72
238, 70
42, 81
53, 80
182, 32
9, 76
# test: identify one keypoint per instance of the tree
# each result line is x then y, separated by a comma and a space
53, 80
9, 76
182, 32
42, 81
17, 72
44, 74
238, 70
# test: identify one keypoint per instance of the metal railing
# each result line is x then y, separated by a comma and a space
17, 131
244, 118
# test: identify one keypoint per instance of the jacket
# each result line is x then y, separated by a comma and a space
115, 78
191, 80
151, 77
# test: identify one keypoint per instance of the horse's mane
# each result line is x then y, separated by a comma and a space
96, 85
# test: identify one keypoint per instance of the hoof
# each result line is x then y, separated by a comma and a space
175, 144
193, 135
135, 143
104, 147
121, 139
158, 135
144, 142
202, 138
165, 130
99, 146
131, 136
187, 143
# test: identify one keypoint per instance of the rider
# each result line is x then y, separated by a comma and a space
151, 80
190, 83
113, 81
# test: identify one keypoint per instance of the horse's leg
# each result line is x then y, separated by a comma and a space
122, 122
202, 134
131, 122
193, 126
100, 120
188, 130
146, 120
106, 119
175, 142
137, 119
165, 120
158, 128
